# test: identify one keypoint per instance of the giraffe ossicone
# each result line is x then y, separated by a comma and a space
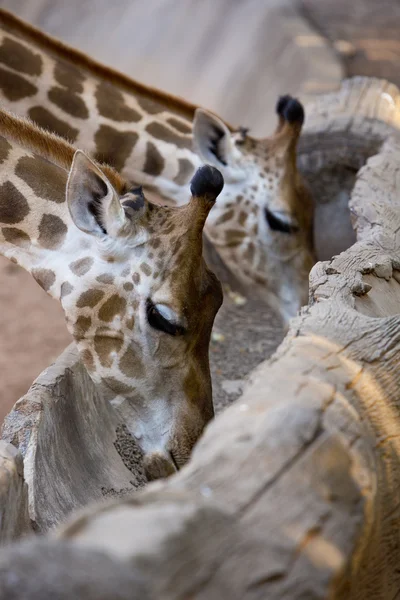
137, 295
261, 225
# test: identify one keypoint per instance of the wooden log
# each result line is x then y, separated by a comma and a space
68, 434
341, 131
14, 517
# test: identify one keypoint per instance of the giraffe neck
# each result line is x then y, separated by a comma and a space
147, 136
117, 120
35, 223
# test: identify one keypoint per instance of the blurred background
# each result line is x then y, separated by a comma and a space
234, 57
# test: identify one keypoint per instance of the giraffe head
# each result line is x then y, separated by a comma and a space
137, 295
142, 313
263, 222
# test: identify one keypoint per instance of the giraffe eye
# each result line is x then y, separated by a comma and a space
157, 321
280, 222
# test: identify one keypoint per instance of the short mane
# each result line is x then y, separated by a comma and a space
48, 145
11, 22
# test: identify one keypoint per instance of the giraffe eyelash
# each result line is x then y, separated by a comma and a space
160, 323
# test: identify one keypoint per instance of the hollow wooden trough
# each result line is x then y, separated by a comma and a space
293, 492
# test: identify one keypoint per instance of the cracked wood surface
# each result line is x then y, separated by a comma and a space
293, 492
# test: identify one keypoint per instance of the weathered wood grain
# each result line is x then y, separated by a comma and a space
14, 517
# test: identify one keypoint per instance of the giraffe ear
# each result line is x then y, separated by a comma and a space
93, 203
214, 143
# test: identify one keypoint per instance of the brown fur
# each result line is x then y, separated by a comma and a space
57, 48
47, 145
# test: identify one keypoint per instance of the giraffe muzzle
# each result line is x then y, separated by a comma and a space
158, 465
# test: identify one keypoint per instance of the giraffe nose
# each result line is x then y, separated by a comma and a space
158, 465
281, 221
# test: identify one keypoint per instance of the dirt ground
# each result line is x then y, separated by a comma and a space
32, 332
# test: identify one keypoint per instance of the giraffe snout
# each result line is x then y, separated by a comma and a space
158, 465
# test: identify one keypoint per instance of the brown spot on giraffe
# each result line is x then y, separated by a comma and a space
167, 230
151, 107
89, 298
136, 278
130, 322
47, 180
44, 277
111, 104
52, 232
260, 280
15, 87
161, 132
114, 306
131, 364
106, 278
104, 346
69, 103
47, 120
114, 147
154, 163
249, 252
155, 243
5, 148
88, 360
128, 286
225, 217
145, 268
20, 58
13, 205
186, 170
82, 266
82, 326
181, 126
242, 217
118, 387
17, 237
69, 76
234, 237
66, 288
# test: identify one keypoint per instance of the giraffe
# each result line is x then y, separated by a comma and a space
261, 225
138, 298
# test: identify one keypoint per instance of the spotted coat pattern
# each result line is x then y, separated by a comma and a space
106, 283
148, 137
